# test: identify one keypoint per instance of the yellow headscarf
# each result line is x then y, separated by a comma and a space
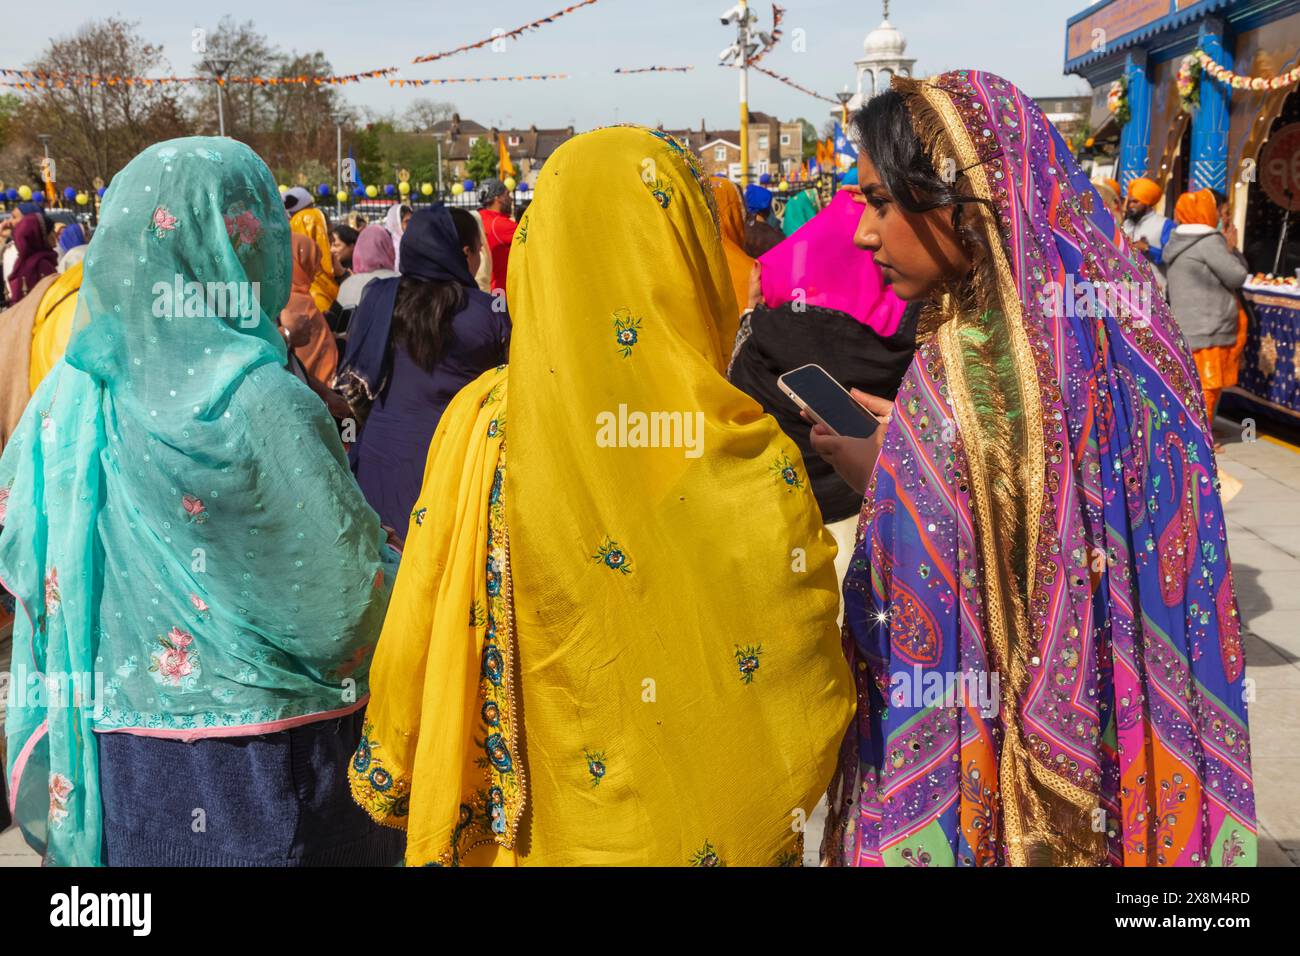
607, 653
53, 324
731, 219
311, 223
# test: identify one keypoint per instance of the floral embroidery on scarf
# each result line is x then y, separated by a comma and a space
784, 469
692, 163
661, 189
176, 664
706, 856
167, 153
627, 328
493, 664
243, 228
1233, 849
60, 791
477, 616
418, 516
382, 795
163, 222
199, 605
4, 503
521, 234
52, 597
613, 557
195, 508
747, 661
595, 766
211, 155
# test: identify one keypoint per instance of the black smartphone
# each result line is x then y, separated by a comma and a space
827, 402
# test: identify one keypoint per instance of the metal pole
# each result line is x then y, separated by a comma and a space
221, 113
744, 93
1281, 239
438, 144
338, 170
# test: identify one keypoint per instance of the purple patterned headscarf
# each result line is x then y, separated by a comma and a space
1040, 608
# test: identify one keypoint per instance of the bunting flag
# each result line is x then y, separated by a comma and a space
34, 79
479, 79
778, 13
499, 35
656, 69
791, 83
504, 166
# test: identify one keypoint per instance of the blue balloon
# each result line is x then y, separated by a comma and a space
11, 194
323, 189
359, 192
69, 194
765, 179
522, 187
389, 189
468, 184
100, 191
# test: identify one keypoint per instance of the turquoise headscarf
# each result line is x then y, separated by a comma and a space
798, 211
190, 552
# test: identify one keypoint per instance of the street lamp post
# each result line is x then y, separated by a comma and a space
218, 68
740, 54
844, 96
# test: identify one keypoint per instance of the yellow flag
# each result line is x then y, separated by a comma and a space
504, 166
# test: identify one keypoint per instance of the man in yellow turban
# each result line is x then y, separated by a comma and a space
1147, 229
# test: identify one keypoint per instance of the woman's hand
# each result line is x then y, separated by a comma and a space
854, 458
755, 285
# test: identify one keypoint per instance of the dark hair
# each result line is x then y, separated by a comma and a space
347, 235
884, 130
467, 229
424, 307
1220, 199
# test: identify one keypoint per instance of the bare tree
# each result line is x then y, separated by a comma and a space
95, 130
423, 113
244, 52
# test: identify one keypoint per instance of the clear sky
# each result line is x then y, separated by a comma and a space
1022, 40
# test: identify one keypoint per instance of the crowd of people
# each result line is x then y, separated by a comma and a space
293, 563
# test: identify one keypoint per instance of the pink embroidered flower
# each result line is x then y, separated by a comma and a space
199, 604
176, 663
52, 597
4, 504
60, 790
173, 665
248, 227
195, 508
163, 222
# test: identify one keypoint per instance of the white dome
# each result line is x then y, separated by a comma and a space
884, 41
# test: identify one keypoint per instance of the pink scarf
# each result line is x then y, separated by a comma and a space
821, 260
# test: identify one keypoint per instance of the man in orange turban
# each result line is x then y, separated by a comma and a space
1147, 229
1205, 274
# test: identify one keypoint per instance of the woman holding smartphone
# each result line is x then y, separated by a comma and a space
1043, 521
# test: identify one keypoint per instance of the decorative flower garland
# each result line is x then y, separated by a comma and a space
1189, 82
1239, 82
1117, 100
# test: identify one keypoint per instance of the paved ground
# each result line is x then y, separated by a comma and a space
1264, 543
